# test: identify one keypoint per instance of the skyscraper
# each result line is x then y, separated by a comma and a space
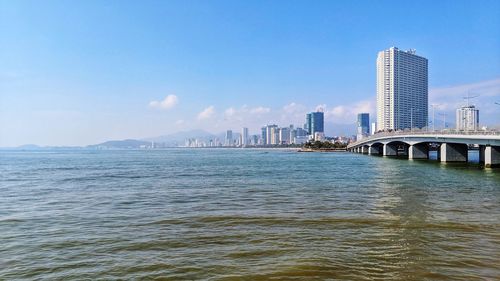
315, 122
244, 137
229, 138
467, 118
263, 135
284, 135
271, 134
363, 125
402, 90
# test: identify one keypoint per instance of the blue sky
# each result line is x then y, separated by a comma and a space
82, 72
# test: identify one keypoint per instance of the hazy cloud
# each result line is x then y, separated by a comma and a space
346, 114
167, 103
230, 112
206, 113
260, 110
452, 97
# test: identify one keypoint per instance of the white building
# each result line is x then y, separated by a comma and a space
402, 90
229, 138
467, 118
244, 137
300, 139
319, 136
271, 130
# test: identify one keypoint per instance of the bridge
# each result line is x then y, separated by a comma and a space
452, 146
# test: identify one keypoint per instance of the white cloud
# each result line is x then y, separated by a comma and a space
179, 122
347, 114
452, 97
167, 103
488, 88
321, 107
230, 112
245, 113
260, 110
207, 113
448, 99
294, 108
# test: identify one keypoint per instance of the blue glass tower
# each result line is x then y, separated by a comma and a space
315, 122
363, 124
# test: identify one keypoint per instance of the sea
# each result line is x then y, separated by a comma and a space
244, 214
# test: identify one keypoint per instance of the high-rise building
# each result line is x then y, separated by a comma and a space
363, 125
244, 137
263, 135
272, 134
402, 90
315, 122
284, 135
467, 118
229, 138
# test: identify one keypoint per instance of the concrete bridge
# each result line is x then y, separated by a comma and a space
452, 146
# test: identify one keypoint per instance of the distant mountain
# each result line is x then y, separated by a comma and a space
179, 138
29, 147
121, 144
38, 147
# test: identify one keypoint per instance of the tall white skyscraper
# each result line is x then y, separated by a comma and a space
271, 130
244, 137
467, 118
229, 138
402, 90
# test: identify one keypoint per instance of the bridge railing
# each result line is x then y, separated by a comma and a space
450, 132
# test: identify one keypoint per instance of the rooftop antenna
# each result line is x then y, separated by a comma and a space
468, 97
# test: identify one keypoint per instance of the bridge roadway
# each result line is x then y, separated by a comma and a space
452, 146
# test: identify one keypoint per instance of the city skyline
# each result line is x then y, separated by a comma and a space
102, 76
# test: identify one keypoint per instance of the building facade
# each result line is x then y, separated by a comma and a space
402, 90
244, 136
467, 118
284, 137
363, 128
271, 133
229, 138
315, 123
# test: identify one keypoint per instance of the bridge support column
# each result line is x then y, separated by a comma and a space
489, 156
390, 150
418, 151
364, 149
453, 152
373, 150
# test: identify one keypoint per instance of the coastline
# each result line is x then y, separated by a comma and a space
322, 150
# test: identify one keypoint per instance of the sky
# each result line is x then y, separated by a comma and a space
84, 72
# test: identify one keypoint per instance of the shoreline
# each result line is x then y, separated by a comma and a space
322, 150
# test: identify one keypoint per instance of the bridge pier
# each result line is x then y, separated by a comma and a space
390, 150
489, 156
373, 150
453, 152
364, 149
418, 151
